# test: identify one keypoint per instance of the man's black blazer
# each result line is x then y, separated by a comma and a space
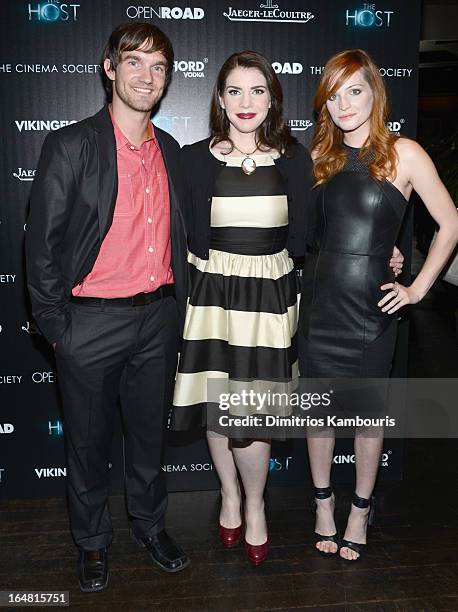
71, 210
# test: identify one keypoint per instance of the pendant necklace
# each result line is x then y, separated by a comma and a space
248, 163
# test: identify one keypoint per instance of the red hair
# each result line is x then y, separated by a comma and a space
378, 150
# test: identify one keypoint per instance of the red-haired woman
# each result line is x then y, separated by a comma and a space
364, 176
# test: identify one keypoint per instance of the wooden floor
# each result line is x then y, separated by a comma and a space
411, 563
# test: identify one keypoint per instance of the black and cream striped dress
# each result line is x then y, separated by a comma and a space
241, 318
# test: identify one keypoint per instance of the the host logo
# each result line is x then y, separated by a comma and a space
55, 472
24, 175
171, 123
164, 12
368, 17
6, 428
270, 13
287, 67
191, 68
55, 429
40, 126
299, 125
43, 377
53, 10
279, 464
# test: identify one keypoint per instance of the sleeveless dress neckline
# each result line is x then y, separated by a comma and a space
354, 156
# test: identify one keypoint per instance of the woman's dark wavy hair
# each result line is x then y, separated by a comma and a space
130, 37
273, 133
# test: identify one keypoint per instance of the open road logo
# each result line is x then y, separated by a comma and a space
164, 12
287, 67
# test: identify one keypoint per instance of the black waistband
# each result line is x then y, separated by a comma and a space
141, 299
249, 240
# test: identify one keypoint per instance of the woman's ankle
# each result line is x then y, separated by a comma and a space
256, 506
359, 512
230, 493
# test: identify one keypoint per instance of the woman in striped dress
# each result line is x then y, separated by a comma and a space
247, 189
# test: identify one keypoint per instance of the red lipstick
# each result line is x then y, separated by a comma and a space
246, 115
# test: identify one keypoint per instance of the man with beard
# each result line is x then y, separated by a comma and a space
106, 258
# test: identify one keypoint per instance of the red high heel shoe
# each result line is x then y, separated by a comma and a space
257, 553
229, 536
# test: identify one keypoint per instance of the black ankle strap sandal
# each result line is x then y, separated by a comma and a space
360, 502
324, 493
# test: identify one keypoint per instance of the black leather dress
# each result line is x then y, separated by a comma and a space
342, 331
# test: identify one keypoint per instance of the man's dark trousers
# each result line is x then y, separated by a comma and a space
112, 352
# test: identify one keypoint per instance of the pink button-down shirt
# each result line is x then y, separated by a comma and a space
135, 255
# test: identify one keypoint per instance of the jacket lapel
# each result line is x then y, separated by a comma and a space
168, 162
107, 173
175, 208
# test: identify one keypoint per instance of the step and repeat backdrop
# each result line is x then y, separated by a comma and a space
50, 77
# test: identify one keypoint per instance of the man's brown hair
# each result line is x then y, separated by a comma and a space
134, 36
